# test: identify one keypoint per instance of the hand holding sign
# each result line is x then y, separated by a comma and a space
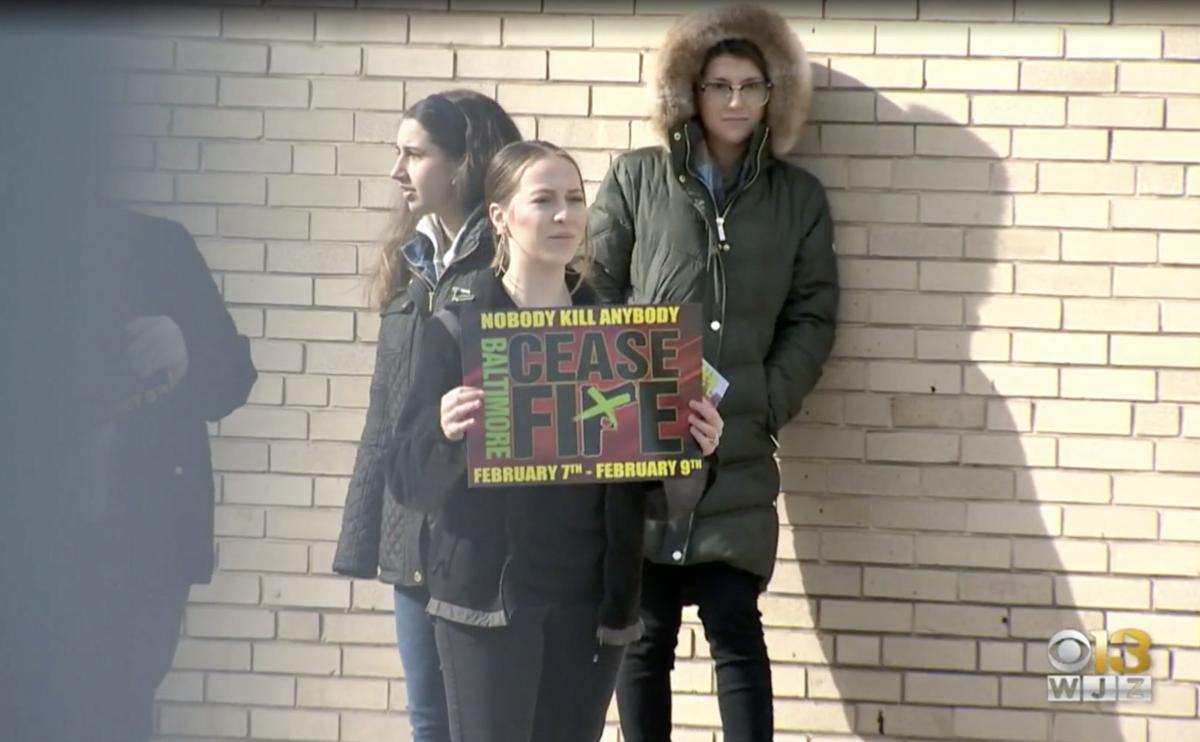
459, 406
706, 425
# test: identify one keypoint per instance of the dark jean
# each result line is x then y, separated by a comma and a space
728, 601
151, 633
422, 670
542, 678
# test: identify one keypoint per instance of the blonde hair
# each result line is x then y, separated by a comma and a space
503, 178
467, 127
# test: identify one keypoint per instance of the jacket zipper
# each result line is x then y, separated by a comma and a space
433, 286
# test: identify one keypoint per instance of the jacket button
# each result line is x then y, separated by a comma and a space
725, 247
417, 577
677, 555
715, 325
682, 179
179, 471
677, 136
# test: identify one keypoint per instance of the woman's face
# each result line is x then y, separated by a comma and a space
422, 169
546, 218
730, 119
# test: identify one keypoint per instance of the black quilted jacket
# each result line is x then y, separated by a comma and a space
379, 537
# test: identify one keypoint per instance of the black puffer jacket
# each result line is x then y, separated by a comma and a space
379, 536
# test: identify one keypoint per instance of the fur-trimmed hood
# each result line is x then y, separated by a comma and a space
688, 40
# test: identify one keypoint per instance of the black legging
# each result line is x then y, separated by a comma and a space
728, 601
541, 678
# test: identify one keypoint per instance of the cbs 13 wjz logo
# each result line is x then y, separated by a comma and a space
1086, 657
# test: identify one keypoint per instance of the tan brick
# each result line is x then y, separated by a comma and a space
916, 241
1111, 522
1174, 630
629, 33
1062, 280
1193, 181
1056, 555
456, 29
1181, 283
202, 720
966, 141
873, 480
311, 125
306, 592
937, 208
361, 26
1179, 214
293, 724
256, 158
177, 155
1015, 41
933, 654
1006, 311
1179, 595
1102, 592
266, 289
966, 482
176, 21
221, 189
1022, 519
310, 325
951, 689
200, 654
622, 100
964, 551
547, 32
342, 693
356, 226
1061, 211
938, 345
349, 392
1156, 420
1008, 450
179, 89
336, 426
1132, 350
1183, 113
263, 222
1010, 415
202, 122
1159, 77
314, 159
1115, 112
975, 74
1181, 456
868, 72
585, 133
356, 95
1181, 43
874, 343
294, 59
1096, 453
912, 584
969, 277
1109, 247
415, 62
1017, 725
1001, 656
229, 623
567, 100
1157, 146
858, 650
269, 355
996, 379
267, 489
260, 556
1191, 421
268, 24
943, 175
314, 458
1160, 559
864, 685
964, 621
906, 309
1021, 110
904, 10
1061, 416
1063, 486
504, 65
1012, 244
1082, 77
595, 66
875, 207
264, 92
865, 616
866, 548
256, 690
227, 589
293, 257
1081, 178
297, 658
1114, 43
926, 40
856, 139
244, 522
1089, 383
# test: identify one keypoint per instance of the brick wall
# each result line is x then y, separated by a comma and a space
1006, 443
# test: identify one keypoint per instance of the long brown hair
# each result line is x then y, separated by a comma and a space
503, 178
466, 126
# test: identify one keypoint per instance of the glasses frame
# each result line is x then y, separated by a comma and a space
767, 85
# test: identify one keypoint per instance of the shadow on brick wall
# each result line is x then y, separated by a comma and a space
922, 568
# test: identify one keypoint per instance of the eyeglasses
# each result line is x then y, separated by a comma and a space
754, 94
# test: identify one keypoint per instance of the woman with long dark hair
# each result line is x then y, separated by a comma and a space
438, 236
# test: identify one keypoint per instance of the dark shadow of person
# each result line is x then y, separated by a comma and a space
933, 537
118, 349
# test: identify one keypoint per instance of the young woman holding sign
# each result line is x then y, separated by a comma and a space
719, 216
439, 235
533, 588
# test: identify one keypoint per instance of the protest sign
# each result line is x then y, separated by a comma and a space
582, 394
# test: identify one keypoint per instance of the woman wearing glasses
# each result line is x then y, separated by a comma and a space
718, 216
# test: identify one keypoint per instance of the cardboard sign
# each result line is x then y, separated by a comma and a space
582, 394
